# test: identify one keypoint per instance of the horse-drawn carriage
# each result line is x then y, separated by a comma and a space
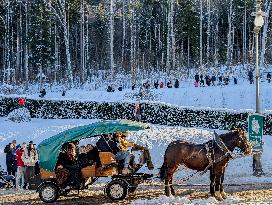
120, 185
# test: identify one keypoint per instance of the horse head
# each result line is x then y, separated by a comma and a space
242, 141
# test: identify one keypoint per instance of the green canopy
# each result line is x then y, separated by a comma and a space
49, 149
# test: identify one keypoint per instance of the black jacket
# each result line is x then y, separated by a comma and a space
66, 162
105, 145
93, 156
10, 154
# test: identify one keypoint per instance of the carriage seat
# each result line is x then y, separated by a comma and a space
108, 166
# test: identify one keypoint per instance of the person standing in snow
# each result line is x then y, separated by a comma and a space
43, 93
208, 80
137, 111
201, 81
220, 80
250, 77
169, 84
10, 151
268, 77
161, 85
156, 84
197, 78
30, 157
20, 177
176, 84
213, 80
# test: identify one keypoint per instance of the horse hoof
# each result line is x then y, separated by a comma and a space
224, 195
218, 196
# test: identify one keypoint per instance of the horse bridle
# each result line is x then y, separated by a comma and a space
223, 147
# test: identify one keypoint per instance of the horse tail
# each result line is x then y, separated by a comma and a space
163, 169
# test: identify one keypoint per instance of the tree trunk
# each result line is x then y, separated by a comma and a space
265, 31
111, 38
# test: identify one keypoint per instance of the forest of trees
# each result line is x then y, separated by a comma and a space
70, 40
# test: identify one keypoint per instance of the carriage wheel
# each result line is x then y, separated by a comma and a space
116, 190
48, 193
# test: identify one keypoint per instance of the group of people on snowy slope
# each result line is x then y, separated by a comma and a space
22, 162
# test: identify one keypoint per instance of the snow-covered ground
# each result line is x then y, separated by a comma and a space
163, 200
235, 97
157, 138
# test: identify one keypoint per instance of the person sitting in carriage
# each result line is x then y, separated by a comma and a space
67, 169
107, 144
124, 154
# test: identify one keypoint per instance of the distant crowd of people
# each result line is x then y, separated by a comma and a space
147, 85
199, 81
22, 162
251, 77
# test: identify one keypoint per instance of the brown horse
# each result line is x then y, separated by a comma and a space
212, 155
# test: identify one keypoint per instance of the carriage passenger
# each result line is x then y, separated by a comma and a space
107, 144
67, 167
93, 155
83, 157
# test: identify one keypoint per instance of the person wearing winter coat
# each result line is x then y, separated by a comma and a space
156, 84
208, 80
197, 78
93, 155
30, 158
169, 84
161, 84
250, 77
137, 111
268, 77
67, 169
10, 151
42, 93
83, 157
213, 80
176, 84
20, 176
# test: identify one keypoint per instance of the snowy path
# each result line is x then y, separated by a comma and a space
153, 195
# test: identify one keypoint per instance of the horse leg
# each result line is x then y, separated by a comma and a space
166, 187
222, 192
171, 186
212, 183
218, 175
168, 181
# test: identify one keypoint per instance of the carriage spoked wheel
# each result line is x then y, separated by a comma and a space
48, 193
117, 190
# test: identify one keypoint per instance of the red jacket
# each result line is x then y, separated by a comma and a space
161, 85
19, 154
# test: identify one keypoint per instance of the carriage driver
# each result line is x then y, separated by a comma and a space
125, 155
